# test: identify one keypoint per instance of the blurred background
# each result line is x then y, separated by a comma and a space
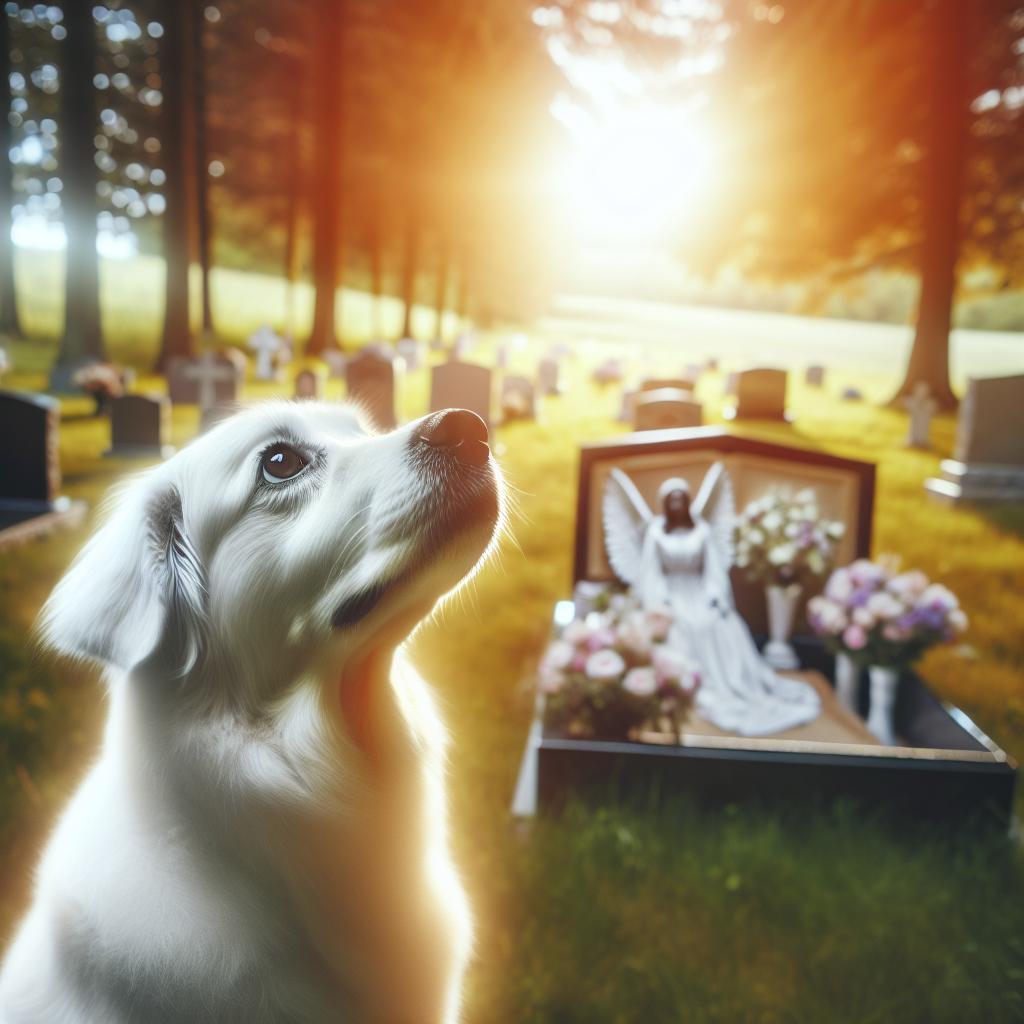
633, 185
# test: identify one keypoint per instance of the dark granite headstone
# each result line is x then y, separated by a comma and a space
140, 426
371, 383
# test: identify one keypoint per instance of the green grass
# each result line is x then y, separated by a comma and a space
618, 914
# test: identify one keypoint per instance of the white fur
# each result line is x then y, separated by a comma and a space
263, 836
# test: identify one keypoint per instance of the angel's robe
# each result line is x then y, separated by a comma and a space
684, 571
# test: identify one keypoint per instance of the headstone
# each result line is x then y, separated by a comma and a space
183, 385
270, 349
549, 376
665, 409
458, 385
140, 426
988, 460
464, 343
921, 406
30, 502
760, 395
336, 361
217, 378
371, 382
609, 371
309, 383
814, 376
411, 352
659, 383
518, 399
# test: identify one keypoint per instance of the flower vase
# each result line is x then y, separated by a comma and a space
880, 721
782, 602
847, 680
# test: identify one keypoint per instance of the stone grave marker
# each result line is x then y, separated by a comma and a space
139, 427
270, 349
309, 383
988, 460
549, 376
921, 406
411, 352
660, 383
183, 385
371, 382
216, 379
30, 502
518, 399
760, 395
666, 408
336, 361
458, 385
814, 376
609, 371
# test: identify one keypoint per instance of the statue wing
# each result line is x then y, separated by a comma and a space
626, 518
716, 503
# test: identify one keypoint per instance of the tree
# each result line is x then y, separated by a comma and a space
83, 336
9, 321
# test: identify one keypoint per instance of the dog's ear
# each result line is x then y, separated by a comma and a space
137, 583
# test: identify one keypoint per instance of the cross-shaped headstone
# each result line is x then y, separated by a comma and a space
921, 406
206, 373
267, 345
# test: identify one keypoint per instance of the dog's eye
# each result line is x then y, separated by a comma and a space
281, 463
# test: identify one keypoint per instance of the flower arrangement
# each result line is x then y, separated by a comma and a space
612, 672
877, 615
782, 538
101, 381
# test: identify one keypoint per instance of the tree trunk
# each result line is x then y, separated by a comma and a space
944, 167
294, 176
178, 116
441, 294
83, 335
10, 322
327, 175
375, 245
410, 255
204, 212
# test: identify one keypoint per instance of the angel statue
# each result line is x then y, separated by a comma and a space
680, 561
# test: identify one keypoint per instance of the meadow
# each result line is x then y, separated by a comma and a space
620, 914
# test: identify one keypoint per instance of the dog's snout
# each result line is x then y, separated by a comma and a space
461, 432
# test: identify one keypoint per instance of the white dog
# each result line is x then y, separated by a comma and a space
263, 837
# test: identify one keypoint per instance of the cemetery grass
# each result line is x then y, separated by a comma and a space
631, 914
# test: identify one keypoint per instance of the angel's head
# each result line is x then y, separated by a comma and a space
674, 495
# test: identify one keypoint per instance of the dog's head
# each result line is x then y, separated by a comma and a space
287, 534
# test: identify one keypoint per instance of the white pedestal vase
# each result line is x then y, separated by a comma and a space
884, 683
782, 604
847, 680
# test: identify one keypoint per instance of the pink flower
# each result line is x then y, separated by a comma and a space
601, 638
551, 680
668, 662
659, 623
605, 665
559, 655
855, 638
640, 682
576, 632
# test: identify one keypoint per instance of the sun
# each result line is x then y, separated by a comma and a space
634, 174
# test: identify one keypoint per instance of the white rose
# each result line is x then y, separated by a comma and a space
641, 682
756, 537
885, 606
772, 521
863, 617
781, 554
576, 632
559, 654
605, 665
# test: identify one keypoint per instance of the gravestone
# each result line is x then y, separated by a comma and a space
518, 399
988, 460
411, 352
464, 343
814, 376
458, 385
609, 371
660, 383
309, 384
217, 379
336, 361
371, 382
183, 385
30, 502
139, 427
665, 409
549, 376
921, 406
270, 348
760, 395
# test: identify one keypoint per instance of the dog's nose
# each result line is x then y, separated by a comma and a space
461, 432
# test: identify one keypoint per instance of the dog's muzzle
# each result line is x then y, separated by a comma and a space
458, 432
